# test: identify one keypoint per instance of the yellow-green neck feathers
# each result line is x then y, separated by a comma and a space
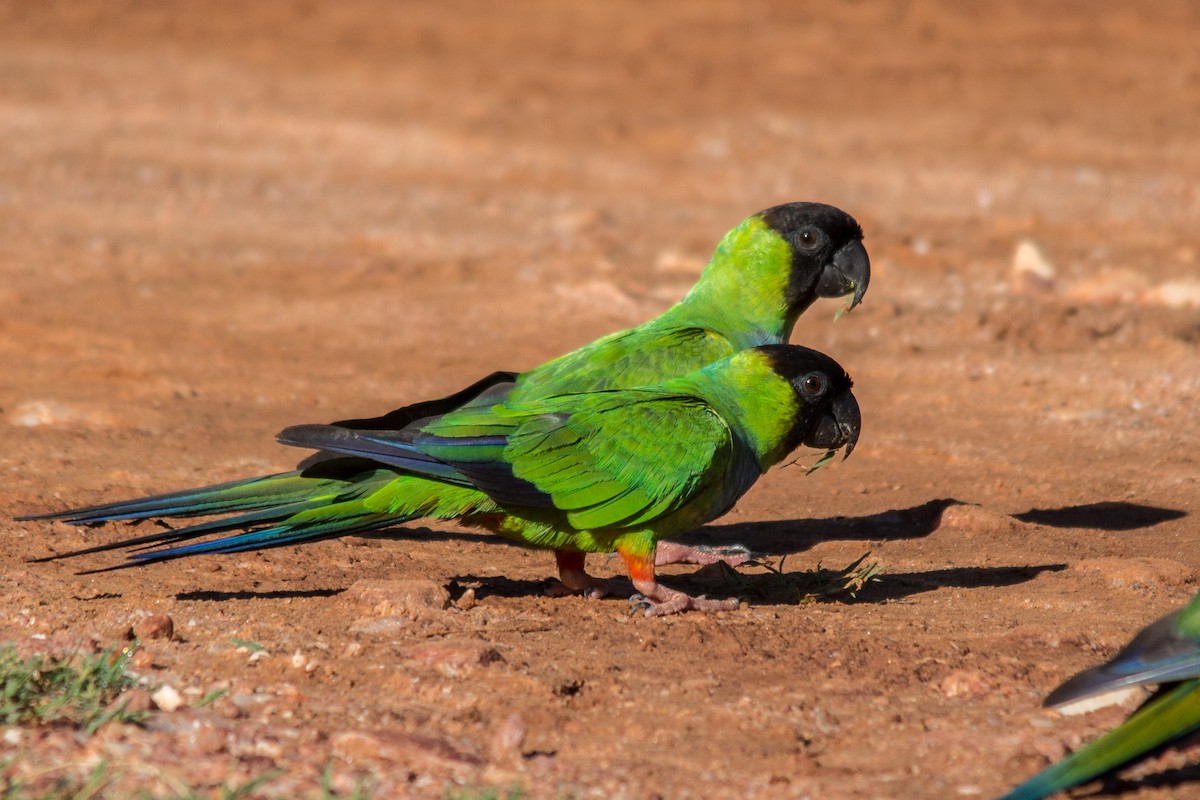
742, 293
752, 398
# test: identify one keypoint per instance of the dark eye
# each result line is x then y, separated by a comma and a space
814, 383
808, 238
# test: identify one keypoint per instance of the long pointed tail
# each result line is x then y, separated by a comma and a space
329, 477
331, 498
330, 495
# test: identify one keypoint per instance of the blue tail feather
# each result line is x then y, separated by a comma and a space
328, 478
286, 533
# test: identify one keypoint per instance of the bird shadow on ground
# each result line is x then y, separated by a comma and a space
1168, 779
898, 585
787, 537
275, 594
784, 537
1107, 516
785, 588
499, 586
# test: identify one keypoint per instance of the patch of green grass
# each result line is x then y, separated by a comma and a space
79, 690
211, 697
83, 691
808, 586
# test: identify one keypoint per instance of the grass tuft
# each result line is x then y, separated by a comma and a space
79, 690
808, 586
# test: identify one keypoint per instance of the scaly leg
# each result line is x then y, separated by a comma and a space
575, 579
638, 552
675, 553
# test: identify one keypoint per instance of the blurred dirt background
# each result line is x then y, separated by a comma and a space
219, 219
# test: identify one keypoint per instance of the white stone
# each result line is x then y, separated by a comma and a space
167, 698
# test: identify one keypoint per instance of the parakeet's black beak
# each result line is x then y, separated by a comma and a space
849, 271
839, 427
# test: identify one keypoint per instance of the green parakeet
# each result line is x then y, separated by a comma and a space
764, 274
590, 472
1166, 654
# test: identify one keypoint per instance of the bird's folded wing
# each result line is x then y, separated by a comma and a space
608, 459
624, 460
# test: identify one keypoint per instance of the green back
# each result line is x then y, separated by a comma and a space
739, 302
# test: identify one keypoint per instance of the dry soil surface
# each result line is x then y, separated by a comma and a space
218, 219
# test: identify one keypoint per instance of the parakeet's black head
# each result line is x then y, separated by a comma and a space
828, 257
828, 415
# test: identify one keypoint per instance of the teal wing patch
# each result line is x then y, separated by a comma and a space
622, 461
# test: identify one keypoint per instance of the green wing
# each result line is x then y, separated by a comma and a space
614, 459
624, 460
648, 354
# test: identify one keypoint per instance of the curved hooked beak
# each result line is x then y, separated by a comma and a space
849, 271
839, 428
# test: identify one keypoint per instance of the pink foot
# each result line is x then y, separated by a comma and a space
660, 601
639, 553
675, 553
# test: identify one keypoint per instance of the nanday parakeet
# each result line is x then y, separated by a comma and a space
604, 471
1165, 654
763, 275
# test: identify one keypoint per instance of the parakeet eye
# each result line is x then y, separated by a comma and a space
808, 238
815, 384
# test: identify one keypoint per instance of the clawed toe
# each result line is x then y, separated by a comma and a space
656, 600
674, 553
671, 601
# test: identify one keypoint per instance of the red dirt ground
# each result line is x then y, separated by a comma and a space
219, 219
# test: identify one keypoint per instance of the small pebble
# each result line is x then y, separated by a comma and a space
1177, 294
467, 601
1031, 270
155, 626
167, 698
